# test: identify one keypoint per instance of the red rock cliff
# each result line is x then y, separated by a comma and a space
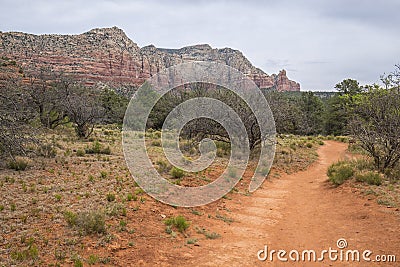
107, 55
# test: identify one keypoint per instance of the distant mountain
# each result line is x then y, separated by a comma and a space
107, 55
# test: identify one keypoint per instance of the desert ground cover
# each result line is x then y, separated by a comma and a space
76, 202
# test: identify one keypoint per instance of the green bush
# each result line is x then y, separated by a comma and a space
212, 235
77, 262
157, 134
70, 217
370, 177
156, 143
163, 166
129, 197
58, 197
89, 222
177, 172
364, 164
191, 241
207, 234
110, 197
116, 209
93, 259
340, 172
220, 153
343, 139
224, 145
97, 148
393, 174
80, 153
293, 146
103, 174
31, 252
179, 222
18, 165
47, 151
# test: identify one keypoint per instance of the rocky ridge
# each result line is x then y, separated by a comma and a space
107, 55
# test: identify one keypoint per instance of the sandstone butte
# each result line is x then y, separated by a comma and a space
108, 56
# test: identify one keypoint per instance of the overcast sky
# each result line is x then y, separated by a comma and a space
318, 42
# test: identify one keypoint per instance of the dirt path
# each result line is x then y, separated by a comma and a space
302, 211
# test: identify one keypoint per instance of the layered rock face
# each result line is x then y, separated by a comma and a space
284, 84
107, 55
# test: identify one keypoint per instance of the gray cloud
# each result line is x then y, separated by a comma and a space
318, 42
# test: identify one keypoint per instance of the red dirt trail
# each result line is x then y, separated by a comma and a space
301, 211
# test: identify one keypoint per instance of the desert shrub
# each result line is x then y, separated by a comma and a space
31, 252
58, 197
70, 217
212, 235
13, 207
93, 259
293, 146
47, 151
80, 153
223, 148
309, 145
18, 164
370, 177
191, 241
157, 134
220, 153
90, 222
375, 124
77, 262
177, 172
207, 234
330, 137
139, 191
179, 222
393, 174
343, 139
156, 143
340, 172
363, 164
110, 197
129, 197
116, 209
97, 148
355, 148
163, 166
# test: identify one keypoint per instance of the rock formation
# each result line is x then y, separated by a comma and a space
107, 55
